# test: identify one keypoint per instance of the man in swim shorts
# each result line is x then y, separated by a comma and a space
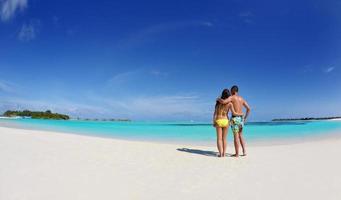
237, 121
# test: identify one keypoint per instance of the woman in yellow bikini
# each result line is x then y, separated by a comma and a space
221, 122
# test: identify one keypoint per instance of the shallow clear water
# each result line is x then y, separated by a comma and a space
179, 131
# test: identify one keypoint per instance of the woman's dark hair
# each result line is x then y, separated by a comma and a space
224, 95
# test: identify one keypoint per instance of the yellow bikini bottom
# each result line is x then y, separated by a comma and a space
222, 123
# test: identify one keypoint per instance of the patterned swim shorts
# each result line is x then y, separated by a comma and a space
237, 123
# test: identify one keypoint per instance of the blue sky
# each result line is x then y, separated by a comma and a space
169, 60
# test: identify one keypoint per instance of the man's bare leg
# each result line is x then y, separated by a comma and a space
224, 141
236, 144
219, 141
242, 141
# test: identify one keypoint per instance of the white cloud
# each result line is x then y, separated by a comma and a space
162, 105
8, 8
134, 76
74, 109
107, 104
148, 34
171, 26
6, 86
329, 69
123, 77
154, 107
29, 31
157, 105
151, 107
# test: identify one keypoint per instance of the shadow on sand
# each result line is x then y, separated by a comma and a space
201, 152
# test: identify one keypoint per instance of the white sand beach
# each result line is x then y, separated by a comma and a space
38, 165
336, 119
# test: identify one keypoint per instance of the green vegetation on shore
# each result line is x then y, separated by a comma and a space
36, 114
305, 119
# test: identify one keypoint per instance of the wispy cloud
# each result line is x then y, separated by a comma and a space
171, 26
147, 34
246, 16
156, 107
74, 109
152, 106
329, 69
29, 31
123, 77
6, 86
158, 73
104, 103
8, 8
140, 107
134, 76
166, 106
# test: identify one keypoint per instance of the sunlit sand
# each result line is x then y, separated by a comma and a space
40, 165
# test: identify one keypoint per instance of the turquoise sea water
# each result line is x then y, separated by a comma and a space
179, 131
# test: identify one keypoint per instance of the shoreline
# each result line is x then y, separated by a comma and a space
254, 142
335, 120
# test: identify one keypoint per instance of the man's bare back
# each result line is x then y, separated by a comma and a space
237, 102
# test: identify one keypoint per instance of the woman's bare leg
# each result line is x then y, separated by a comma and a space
219, 140
242, 141
224, 140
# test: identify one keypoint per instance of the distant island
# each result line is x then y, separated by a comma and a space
36, 114
306, 119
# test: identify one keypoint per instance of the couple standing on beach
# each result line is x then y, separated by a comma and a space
234, 104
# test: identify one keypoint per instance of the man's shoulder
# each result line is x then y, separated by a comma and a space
240, 98
237, 97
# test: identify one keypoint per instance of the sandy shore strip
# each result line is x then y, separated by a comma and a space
38, 165
339, 119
